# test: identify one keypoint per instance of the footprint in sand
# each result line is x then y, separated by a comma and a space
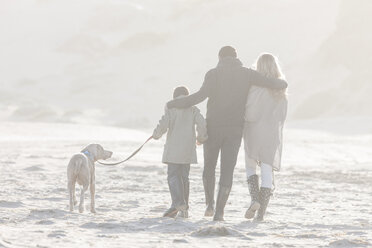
214, 231
4, 243
56, 234
34, 168
47, 213
102, 225
45, 222
349, 243
180, 241
257, 234
9, 204
8, 162
32, 156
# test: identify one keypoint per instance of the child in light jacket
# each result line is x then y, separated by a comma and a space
180, 150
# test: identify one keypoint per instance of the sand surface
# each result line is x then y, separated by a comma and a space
323, 194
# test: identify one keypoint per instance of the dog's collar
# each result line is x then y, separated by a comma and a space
89, 155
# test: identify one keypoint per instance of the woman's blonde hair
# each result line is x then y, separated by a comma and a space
268, 65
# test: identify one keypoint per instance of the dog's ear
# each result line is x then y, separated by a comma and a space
100, 151
93, 150
87, 148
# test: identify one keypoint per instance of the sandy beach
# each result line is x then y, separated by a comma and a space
322, 197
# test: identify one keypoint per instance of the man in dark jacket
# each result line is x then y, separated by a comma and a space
226, 88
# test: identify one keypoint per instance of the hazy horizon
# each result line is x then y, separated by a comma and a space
117, 62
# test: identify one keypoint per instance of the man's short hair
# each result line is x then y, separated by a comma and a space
227, 51
180, 91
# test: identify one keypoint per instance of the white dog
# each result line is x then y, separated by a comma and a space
81, 169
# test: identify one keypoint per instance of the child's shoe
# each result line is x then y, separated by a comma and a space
171, 212
183, 214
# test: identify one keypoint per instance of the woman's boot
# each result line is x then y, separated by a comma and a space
254, 192
264, 198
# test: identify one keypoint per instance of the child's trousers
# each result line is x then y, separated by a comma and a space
178, 182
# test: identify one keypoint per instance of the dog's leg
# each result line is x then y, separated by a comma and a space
74, 194
69, 186
92, 190
81, 205
92, 197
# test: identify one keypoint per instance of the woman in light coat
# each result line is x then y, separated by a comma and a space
180, 150
266, 111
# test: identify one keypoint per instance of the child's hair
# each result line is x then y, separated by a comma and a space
180, 91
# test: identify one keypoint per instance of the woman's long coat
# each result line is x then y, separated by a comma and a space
266, 112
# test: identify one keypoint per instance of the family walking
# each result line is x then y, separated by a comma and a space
242, 102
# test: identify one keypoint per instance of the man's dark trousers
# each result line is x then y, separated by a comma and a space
227, 141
